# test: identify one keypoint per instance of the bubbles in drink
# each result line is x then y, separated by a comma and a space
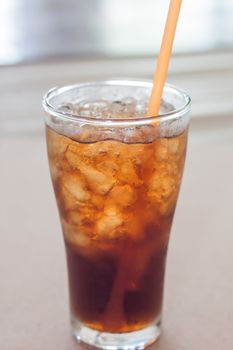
93, 108
122, 109
127, 107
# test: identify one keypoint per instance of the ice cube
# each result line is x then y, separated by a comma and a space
100, 108
149, 133
177, 146
173, 170
96, 150
127, 174
141, 108
81, 217
54, 169
75, 236
122, 196
57, 144
162, 192
68, 201
133, 154
116, 108
98, 182
140, 134
126, 101
105, 151
72, 155
129, 104
173, 145
76, 186
94, 108
129, 135
82, 240
108, 166
109, 222
84, 108
161, 185
161, 150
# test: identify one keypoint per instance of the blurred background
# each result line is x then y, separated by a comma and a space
42, 29
46, 43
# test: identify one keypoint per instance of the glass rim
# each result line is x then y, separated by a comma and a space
67, 116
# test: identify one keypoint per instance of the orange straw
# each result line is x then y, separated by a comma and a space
164, 58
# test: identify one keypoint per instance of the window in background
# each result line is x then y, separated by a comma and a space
35, 29
137, 28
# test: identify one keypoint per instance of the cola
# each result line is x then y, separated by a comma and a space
116, 201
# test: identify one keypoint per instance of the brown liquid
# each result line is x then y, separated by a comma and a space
116, 204
136, 302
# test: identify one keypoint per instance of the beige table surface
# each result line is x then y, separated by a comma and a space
198, 304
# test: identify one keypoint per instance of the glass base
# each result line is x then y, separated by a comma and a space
116, 341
